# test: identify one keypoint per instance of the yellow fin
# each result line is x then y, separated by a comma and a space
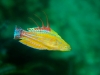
33, 44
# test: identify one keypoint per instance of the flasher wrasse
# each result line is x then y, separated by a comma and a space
42, 38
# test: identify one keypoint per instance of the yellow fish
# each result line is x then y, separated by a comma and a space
42, 38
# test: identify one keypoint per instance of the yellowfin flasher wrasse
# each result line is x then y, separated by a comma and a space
41, 38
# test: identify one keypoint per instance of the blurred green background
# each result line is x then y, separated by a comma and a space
76, 21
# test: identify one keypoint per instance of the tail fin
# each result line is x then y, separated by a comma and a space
17, 32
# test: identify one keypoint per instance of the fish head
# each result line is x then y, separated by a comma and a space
17, 32
66, 48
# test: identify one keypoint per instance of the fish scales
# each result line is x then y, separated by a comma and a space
33, 44
28, 39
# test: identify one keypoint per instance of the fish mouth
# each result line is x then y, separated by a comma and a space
68, 48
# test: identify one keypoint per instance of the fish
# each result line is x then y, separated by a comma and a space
41, 38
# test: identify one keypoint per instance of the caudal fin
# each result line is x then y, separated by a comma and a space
17, 32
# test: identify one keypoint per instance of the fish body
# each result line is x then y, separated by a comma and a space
42, 39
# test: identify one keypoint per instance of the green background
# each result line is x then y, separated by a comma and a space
76, 21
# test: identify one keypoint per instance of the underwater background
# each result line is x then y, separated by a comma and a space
76, 21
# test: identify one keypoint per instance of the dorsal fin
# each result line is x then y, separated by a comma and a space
34, 22
48, 26
46, 19
43, 27
40, 20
